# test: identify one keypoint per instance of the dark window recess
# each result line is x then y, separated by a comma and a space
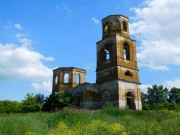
56, 79
124, 26
106, 27
128, 73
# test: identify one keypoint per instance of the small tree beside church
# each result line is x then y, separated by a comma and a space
57, 101
31, 104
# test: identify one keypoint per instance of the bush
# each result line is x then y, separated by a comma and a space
7, 106
174, 106
30, 104
57, 101
166, 106
146, 106
157, 106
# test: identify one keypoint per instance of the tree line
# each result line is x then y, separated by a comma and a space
159, 97
156, 98
37, 103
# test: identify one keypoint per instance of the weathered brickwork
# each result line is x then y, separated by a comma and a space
61, 82
117, 79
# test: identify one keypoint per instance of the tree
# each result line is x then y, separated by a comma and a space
57, 101
157, 94
174, 95
40, 99
30, 103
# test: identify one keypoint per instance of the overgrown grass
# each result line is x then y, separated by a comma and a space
106, 121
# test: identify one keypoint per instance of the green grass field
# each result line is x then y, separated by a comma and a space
108, 121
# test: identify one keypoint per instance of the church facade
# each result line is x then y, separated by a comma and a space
117, 78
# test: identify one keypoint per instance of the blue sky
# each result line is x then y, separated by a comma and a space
38, 36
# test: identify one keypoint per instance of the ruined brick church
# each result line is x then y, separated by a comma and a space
117, 79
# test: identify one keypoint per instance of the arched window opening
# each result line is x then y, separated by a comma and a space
128, 73
107, 49
130, 100
107, 54
124, 26
78, 78
126, 51
106, 27
56, 79
66, 78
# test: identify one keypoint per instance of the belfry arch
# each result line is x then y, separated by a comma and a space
66, 78
125, 27
78, 78
126, 51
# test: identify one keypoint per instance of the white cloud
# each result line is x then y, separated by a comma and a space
67, 10
64, 8
144, 87
42, 85
96, 21
168, 84
21, 63
173, 83
25, 41
153, 67
19, 35
157, 25
22, 39
18, 26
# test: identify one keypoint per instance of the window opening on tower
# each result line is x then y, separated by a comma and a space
128, 73
78, 78
126, 51
107, 54
66, 78
56, 79
124, 26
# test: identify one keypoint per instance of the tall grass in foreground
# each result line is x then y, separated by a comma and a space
108, 121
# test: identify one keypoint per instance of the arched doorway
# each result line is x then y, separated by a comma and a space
130, 100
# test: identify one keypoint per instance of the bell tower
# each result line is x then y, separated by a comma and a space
117, 70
